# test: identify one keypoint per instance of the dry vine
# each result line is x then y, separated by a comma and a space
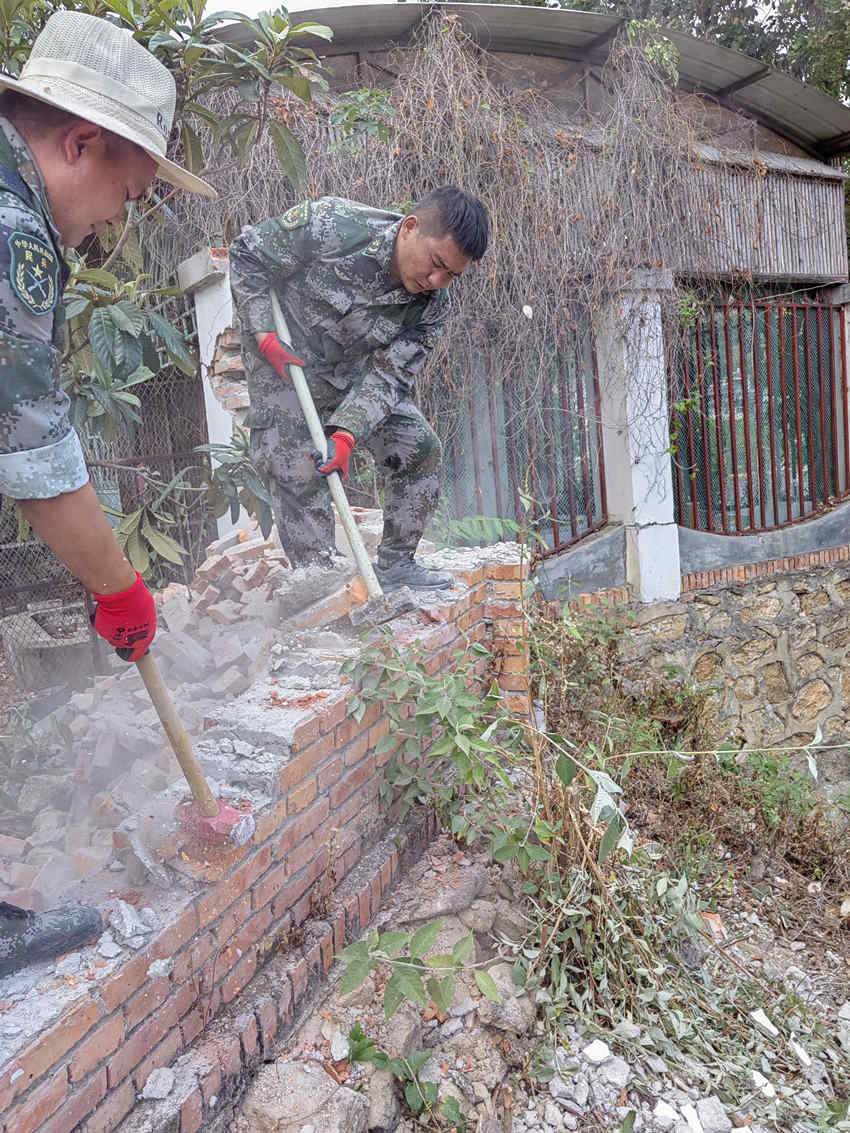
580, 203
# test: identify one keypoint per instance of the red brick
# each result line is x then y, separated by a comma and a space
375, 890
242, 974
146, 1001
193, 959
338, 929
225, 893
330, 773
231, 921
354, 779
176, 936
350, 858
302, 796
254, 929
306, 732
162, 1055
500, 571
184, 998
50, 1046
298, 976
269, 886
249, 1036
210, 1082
111, 1112
326, 944
302, 827
192, 1024
41, 1102
349, 810
267, 1023
364, 905
78, 1106
269, 822
356, 749
333, 715
297, 858
96, 1048
305, 763
386, 877
137, 1045
192, 1113
126, 980
347, 730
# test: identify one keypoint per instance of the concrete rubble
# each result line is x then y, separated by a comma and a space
480, 1052
95, 822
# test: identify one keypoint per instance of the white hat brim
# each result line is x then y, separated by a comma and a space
168, 170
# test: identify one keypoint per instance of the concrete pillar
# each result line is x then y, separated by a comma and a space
205, 276
636, 435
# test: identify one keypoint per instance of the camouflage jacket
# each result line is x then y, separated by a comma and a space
328, 261
40, 454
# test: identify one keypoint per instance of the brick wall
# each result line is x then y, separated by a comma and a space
250, 936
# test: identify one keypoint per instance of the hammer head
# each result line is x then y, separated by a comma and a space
229, 827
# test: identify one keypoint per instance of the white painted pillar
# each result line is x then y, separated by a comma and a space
636, 435
206, 277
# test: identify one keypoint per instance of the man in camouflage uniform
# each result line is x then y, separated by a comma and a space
82, 132
364, 296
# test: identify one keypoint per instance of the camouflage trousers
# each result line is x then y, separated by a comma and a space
407, 455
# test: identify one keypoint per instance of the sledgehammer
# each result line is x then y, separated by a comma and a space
208, 818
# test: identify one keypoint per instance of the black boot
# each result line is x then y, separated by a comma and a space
26, 937
406, 571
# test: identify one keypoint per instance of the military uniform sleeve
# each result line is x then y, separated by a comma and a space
266, 255
390, 372
40, 453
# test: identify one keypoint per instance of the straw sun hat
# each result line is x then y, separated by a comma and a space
93, 69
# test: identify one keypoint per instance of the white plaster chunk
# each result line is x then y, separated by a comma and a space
692, 1118
803, 1056
664, 1114
597, 1052
713, 1115
761, 1083
764, 1024
159, 1085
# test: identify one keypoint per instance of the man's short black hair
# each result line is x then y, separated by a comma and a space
450, 211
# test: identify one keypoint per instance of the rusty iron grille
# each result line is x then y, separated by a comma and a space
530, 450
759, 416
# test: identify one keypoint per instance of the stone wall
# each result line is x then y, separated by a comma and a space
771, 639
244, 934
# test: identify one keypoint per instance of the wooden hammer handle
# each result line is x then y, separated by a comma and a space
181, 745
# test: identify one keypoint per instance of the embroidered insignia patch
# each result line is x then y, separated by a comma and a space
297, 216
34, 272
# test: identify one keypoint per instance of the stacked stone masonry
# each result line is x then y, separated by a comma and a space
263, 922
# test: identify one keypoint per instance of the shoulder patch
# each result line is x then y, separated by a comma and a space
34, 272
297, 216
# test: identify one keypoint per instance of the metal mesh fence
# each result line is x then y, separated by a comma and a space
45, 633
759, 416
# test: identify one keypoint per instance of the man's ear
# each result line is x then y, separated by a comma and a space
410, 224
78, 139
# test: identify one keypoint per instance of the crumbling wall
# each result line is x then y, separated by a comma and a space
241, 934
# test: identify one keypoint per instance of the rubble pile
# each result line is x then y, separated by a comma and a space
86, 823
481, 1051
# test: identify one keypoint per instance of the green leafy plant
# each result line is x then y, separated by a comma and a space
421, 1097
234, 482
359, 115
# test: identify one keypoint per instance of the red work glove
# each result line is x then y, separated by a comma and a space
340, 447
127, 620
278, 355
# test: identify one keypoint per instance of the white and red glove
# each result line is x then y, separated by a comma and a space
127, 620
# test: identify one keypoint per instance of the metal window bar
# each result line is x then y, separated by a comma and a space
762, 438
543, 445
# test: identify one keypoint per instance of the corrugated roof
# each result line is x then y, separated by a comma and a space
817, 123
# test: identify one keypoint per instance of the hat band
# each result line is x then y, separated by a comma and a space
133, 109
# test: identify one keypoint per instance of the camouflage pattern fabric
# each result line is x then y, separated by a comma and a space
40, 454
363, 340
